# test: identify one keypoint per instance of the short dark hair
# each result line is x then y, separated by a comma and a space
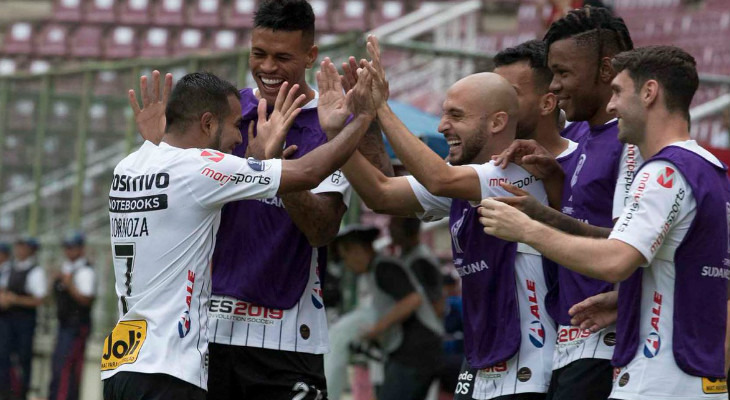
672, 67
194, 95
592, 25
535, 53
288, 16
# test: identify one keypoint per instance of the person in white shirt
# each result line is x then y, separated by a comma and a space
74, 289
165, 204
24, 291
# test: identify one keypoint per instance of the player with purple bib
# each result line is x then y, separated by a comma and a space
669, 249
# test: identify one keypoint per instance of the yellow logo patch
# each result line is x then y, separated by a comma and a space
123, 344
714, 385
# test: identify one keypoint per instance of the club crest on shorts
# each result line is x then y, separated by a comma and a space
652, 345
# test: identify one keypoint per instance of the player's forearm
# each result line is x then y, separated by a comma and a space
592, 257
399, 312
570, 225
27, 301
318, 216
554, 190
372, 148
425, 165
308, 171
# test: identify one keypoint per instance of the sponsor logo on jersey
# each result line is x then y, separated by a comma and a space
274, 201
212, 155
714, 385
122, 346
464, 383
336, 177
652, 345
520, 183
137, 204
537, 330
183, 324
222, 178
669, 221
456, 229
666, 178
630, 169
258, 165
242, 311
635, 205
715, 272
572, 334
493, 372
578, 167
471, 268
653, 342
524, 374
138, 183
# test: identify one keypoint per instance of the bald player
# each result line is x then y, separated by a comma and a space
508, 336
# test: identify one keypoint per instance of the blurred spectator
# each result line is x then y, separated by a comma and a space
25, 290
74, 290
406, 235
407, 328
4, 264
560, 8
454, 335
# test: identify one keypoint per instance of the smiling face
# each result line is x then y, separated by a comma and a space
464, 125
228, 132
277, 57
631, 113
575, 69
522, 78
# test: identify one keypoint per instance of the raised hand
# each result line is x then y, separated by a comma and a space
331, 108
595, 312
150, 119
380, 86
360, 100
349, 77
271, 132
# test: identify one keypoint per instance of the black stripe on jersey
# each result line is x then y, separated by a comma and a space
263, 338
248, 326
230, 337
215, 332
517, 368
200, 304
598, 343
296, 327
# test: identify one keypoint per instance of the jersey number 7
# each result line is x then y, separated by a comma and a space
125, 251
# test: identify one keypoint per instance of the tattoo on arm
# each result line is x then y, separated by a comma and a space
570, 225
372, 148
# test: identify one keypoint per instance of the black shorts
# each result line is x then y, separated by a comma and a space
239, 372
465, 387
584, 379
139, 386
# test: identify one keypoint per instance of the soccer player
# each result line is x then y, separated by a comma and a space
165, 206
597, 179
268, 322
670, 248
508, 337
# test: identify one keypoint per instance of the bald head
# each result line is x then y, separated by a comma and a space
490, 92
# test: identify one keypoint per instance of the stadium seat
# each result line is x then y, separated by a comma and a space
386, 11
135, 12
23, 112
67, 10
156, 43
101, 11
120, 43
225, 40
352, 15
188, 41
53, 41
205, 14
39, 66
322, 15
239, 14
86, 42
98, 121
7, 66
169, 12
18, 39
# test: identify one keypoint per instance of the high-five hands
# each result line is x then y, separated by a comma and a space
150, 119
380, 87
271, 132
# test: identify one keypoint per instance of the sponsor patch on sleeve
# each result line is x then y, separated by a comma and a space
258, 165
